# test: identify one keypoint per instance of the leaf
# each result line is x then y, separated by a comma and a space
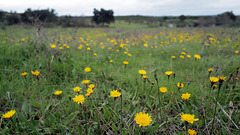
25, 120
107, 113
152, 129
71, 117
25, 106
35, 103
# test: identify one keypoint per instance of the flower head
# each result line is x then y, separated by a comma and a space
53, 46
115, 93
91, 86
87, 69
163, 89
197, 56
145, 77
24, 74
111, 61
173, 57
180, 85
125, 62
77, 89
188, 118
142, 72
36, 73
192, 132
143, 119
186, 96
58, 93
210, 70
168, 73
89, 90
85, 82
221, 79
79, 99
9, 114
236, 52
213, 79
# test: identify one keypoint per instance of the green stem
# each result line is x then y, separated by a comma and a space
215, 107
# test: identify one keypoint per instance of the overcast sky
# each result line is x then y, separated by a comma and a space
127, 7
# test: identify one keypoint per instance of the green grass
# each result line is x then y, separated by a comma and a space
39, 111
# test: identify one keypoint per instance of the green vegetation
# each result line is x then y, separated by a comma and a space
62, 56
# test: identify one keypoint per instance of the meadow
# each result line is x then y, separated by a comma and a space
140, 80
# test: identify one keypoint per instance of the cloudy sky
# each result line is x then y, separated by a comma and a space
127, 7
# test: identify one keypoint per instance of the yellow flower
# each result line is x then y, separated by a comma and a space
89, 90
181, 56
197, 56
145, 77
88, 48
142, 72
77, 89
23, 39
125, 62
173, 57
115, 93
79, 99
221, 79
163, 89
68, 47
36, 73
180, 85
9, 114
111, 61
129, 54
192, 132
24, 74
58, 93
183, 53
189, 56
53, 46
87, 69
188, 118
85, 82
236, 52
88, 94
168, 73
186, 96
60, 48
150, 54
143, 119
210, 70
213, 79
95, 54
91, 86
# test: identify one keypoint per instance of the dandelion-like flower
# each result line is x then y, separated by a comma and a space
142, 72
91, 86
186, 96
188, 118
9, 114
213, 79
86, 82
115, 93
180, 85
53, 46
77, 89
58, 93
221, 79
173, 57
89, 90
210, 70
145, 77
163, 89
143, 119
79, 99
236, 52
36, 73
168, 73
24, 74
197, 56
111, 61
192, 132
125, 62
87, 69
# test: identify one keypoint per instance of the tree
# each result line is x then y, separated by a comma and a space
103, 16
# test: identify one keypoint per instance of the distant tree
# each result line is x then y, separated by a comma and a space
2, 15
13, 18
44, 15
182, 18
103, 16
225, 18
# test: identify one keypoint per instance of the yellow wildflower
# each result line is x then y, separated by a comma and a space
9, 114
188, 118
115, 93
186, 96
58, 93
163, 89
79, 99
143, 119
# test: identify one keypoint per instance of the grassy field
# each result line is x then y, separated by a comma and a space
62, 56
